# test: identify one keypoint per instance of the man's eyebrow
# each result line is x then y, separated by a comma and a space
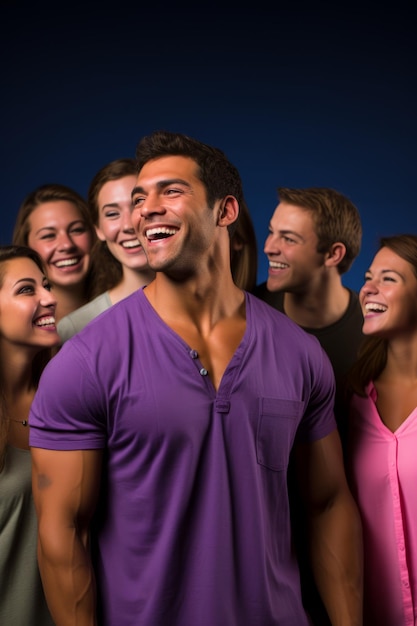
162, 184
290, 232
285, 232
137, 190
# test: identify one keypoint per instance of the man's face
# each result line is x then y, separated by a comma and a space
291, 248
171, 217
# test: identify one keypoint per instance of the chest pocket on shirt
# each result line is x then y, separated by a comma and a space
277, 424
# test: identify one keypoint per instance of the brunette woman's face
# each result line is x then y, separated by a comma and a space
115, 223
27, 306
389, 296
59, 233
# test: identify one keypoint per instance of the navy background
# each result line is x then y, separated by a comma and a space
319, 95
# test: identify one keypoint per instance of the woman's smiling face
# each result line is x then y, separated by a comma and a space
389, 296
27, 306
60, 235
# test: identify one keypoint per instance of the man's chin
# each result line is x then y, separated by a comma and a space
274, 285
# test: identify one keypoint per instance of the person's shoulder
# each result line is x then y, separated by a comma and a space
354, 310
100, 340
113, 318
354, 298
259, 289
264, 314
273, 298
76, 320
278, 334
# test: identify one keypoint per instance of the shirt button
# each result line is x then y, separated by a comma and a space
193, 354
203, 371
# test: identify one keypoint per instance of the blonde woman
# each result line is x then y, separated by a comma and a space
54, 220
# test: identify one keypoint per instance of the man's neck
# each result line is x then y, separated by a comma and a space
317, 309
195, 302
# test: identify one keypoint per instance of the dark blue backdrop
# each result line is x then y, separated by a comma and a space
301, 96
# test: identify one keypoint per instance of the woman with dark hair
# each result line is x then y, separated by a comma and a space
54, 220
244, 250
382, 457
27, 335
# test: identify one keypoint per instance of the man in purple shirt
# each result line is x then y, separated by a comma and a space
161, 434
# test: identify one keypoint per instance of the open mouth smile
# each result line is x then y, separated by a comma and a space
67, 262
160, 232
45, 321
132, 243
275, 265
375, 307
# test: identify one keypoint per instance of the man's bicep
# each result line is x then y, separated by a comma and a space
320, 469
66, 483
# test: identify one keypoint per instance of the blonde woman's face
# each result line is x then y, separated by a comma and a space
60, 235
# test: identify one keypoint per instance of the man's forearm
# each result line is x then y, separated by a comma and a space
69, 583
337, 561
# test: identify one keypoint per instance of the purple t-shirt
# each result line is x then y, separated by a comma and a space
193, 524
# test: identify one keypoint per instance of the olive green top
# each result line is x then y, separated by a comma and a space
22, 601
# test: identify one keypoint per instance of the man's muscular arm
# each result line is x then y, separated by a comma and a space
65, 489
335, 530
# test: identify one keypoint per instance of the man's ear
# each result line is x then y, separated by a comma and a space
228, 211
335, 254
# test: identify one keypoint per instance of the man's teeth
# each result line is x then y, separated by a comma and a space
375, 307
45, 321
134, 243
154, 233
67, 262
278, 266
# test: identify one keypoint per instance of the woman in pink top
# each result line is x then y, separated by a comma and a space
382, 456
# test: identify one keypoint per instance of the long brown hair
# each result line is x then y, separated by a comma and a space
8, 253
244, 250
107, 270
372, 357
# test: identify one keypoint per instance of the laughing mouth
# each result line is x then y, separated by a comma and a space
375, 307
275, 265
162, 232
45, 321
67, 262
133, 243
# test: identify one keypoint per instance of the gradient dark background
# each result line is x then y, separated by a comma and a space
299, 96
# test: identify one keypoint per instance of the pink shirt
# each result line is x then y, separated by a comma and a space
383, 469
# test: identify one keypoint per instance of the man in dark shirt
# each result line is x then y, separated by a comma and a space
314, 236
